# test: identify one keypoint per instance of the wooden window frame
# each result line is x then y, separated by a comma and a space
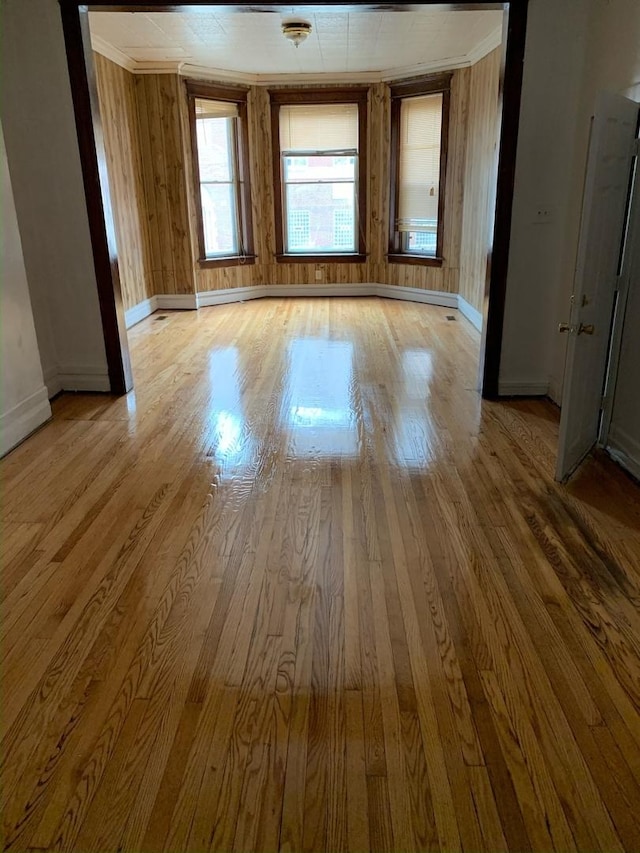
238, 96
434, 84
358, 95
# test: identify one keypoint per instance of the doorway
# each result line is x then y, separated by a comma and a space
90, 134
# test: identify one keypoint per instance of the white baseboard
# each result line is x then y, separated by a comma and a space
83, 377
176, 301
409, 294
414, 294
231, 294
625, 449
472, 314
517, 388
313, 290
140, 311
21, 420
52, 381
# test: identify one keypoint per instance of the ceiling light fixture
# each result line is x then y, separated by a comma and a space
296, 31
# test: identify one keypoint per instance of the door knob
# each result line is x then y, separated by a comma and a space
564, 327
587, 329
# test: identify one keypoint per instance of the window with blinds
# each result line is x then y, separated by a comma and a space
220, 176
317, 148
420, 134
417, 185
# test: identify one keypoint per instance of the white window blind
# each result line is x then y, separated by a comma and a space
206, 108
319, 127
420, 132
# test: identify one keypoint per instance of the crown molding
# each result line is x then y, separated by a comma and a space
201, 72
169, 66
484, 48
104, 48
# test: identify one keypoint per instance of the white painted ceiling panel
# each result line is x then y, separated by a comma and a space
252, 42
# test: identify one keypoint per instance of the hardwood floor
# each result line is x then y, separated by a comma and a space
303, 590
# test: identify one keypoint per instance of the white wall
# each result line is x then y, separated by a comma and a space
23, 398
575, 48
44, 163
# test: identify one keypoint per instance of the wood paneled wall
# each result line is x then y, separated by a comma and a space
163, 165
116, 93
159, 100
483, 130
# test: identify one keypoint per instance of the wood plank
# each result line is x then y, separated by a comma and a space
377, 626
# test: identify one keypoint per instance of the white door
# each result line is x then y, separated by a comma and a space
601, 232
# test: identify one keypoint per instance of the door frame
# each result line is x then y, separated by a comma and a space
75, 21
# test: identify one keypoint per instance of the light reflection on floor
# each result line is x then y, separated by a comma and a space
318, 404
322, 405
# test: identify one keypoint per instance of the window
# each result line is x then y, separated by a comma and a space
220, 162
419, 133
319, 151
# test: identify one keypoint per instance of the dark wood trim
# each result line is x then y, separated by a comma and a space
93, 159
216, 92
229, 261
328, 258
431, 85
415, 260
395, 237
244, 179
276, 174
238, 96
444, 160
78, 50
498, 261
326, 95
358, 95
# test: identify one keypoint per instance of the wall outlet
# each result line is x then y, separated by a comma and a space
543, 214
318, 274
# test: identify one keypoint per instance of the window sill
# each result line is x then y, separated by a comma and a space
229, 261
328, 258
421, 260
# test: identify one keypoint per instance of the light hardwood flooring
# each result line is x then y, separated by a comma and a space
303, 590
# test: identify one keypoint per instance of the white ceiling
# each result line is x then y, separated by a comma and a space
252, 42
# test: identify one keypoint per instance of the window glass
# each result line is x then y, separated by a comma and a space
319, 152
217, 170
319, 201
